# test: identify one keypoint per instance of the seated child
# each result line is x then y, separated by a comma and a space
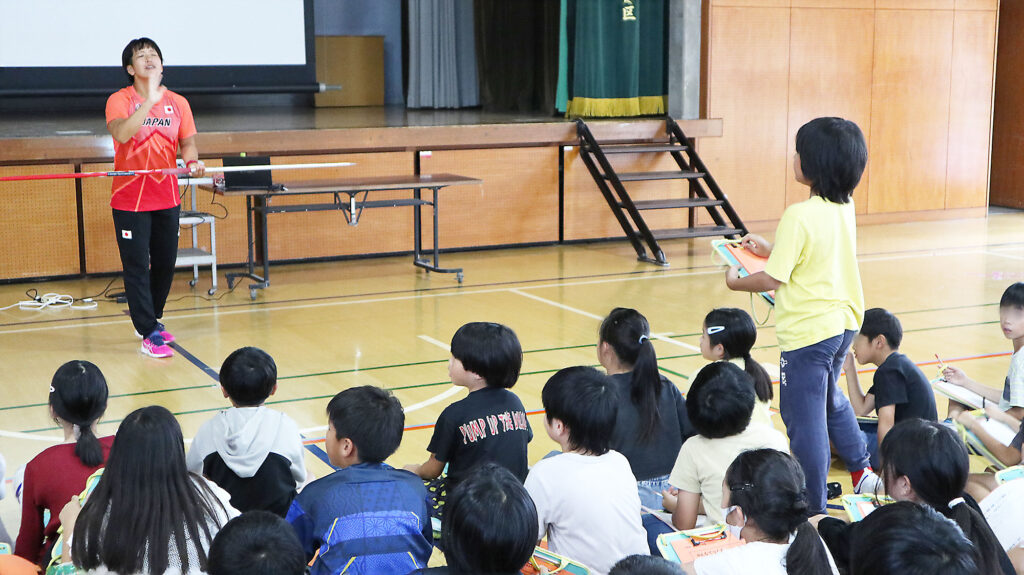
720, 404
728, 335
900, 390
765, 504
488, 425
251, 451
489, 525
909, 539
645, 565
366, 518
77, 400
586, 497
1011, 400
925, 462
651, 425
256, 543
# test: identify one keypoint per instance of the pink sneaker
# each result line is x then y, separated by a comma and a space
168, 336
150, 348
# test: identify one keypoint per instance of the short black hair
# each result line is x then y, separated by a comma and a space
645, 565
833, 155
134, 46
1013, 296
249, 374
878, 321
582, 398
721, 400
490, 350
489, 523
372, 418
910, 539
256, 543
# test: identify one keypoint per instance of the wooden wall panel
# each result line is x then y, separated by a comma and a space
989, 5
753, 3
326, 234
830, 75
910, 110
858, 4
586, 213
1007, 188
970, 113
517, 203
101, 254
39, 224
915, 4
749, 89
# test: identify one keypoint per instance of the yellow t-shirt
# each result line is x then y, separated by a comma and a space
815, 258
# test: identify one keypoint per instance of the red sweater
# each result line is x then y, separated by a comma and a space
51, 479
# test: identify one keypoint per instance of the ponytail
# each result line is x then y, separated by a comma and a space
807, 553
976, 529
78, 395
737, 338
628, 333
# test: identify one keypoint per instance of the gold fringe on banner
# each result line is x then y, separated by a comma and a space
616, 107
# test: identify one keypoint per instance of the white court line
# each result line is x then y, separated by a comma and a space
440, 397
436, 342
556, 304
19, 435
1001, 255
665, 338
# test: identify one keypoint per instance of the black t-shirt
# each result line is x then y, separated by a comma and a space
488, 425
272, 488
901, 383
655, 457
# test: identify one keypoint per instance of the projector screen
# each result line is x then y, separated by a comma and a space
72, 47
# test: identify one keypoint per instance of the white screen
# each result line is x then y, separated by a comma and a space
80, 33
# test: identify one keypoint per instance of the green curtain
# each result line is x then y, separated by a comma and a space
616, 57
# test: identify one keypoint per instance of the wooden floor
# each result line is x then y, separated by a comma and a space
382, 322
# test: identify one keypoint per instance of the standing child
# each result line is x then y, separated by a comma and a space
251, 451
1011, 400
366, 518
900, 390
651, 424
587, 502
488, 425
729, 334
78, 398
720, 404
819, 302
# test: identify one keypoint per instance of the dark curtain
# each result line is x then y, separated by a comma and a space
442, 55
517, 47
617, 57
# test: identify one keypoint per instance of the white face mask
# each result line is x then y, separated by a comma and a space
733, 530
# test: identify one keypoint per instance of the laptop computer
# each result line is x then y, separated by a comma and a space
248, 179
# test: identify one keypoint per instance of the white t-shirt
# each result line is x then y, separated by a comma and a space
589, 508
758, 557
702, 462
1013, 387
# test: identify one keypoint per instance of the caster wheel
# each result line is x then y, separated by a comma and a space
458, 276
211, 291
252, 294
192, 283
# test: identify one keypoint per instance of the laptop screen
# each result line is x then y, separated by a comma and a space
249, 179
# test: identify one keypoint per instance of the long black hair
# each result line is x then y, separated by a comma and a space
769, 486
78, 395
737, 338
909, 539
629, 335
145, 502
935, 461
489, 524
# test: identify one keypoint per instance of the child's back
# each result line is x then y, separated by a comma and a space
900, 383
587, 500
252, 452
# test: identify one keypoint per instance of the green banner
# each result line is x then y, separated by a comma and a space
617, 57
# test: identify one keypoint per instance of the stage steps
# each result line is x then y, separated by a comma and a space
704, 192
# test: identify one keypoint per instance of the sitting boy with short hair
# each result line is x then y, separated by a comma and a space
720, 404
256, 543
586, 497
251, 451
900, 389
488, 425
367, 517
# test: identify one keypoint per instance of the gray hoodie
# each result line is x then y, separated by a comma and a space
244, 436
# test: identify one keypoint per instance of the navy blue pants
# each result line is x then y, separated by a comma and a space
148, 242
815, 411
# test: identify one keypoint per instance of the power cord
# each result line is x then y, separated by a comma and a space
52, 300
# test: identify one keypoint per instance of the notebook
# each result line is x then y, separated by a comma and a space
544, 561
957, 393
1003, 509
736, 255
688, 546
999, 431
858, 507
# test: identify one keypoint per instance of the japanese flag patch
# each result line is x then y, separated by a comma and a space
169, 110
126, 234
